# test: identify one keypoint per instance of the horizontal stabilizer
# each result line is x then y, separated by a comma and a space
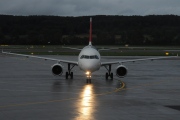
71, 48
104, 49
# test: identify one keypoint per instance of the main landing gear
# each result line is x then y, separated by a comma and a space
109, 73
69, 73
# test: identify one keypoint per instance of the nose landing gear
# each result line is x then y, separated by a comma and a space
88, 80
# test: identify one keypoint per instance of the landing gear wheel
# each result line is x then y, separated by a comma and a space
66, 75
88, 80
106, 76
111, 76
71, 75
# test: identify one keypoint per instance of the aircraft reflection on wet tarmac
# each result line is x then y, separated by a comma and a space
86, 101
85, 106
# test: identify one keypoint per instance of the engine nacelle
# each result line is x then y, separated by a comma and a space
57, 69
121, 71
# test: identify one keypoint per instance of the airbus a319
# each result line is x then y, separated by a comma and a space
89, 61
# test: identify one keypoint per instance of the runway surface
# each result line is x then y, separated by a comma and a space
28, 91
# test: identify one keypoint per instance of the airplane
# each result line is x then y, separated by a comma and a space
89, 61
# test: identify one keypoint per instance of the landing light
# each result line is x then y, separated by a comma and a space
87, 73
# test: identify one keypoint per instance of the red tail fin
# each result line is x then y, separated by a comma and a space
90, 32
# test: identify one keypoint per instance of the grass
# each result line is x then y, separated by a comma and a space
121, 50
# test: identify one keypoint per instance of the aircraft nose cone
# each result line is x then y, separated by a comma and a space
91, 66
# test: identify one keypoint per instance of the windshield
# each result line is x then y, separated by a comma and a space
89, 57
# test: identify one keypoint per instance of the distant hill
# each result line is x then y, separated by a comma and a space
107, 30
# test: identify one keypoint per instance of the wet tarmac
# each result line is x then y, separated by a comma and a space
28, 91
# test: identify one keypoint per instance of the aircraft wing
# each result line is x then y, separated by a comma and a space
134, 60
44, 58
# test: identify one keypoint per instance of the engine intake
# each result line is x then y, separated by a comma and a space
57, 69
121, 71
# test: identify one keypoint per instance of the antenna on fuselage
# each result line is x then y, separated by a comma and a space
90, 32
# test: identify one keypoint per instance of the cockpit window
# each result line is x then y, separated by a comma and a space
96, 57
92, 57
89, 57
82, 57
86, 57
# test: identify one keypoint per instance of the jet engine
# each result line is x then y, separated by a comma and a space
57, 69
121, 71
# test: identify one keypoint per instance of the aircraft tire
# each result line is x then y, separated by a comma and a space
88, 80
71, 75
106, 76
66, 75
112, 76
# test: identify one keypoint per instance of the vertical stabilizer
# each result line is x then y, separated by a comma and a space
90, 32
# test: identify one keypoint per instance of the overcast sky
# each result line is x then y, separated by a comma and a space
89, 7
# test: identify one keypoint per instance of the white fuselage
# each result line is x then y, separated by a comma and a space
89, 59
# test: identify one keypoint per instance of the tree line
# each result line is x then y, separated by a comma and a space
107, 30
